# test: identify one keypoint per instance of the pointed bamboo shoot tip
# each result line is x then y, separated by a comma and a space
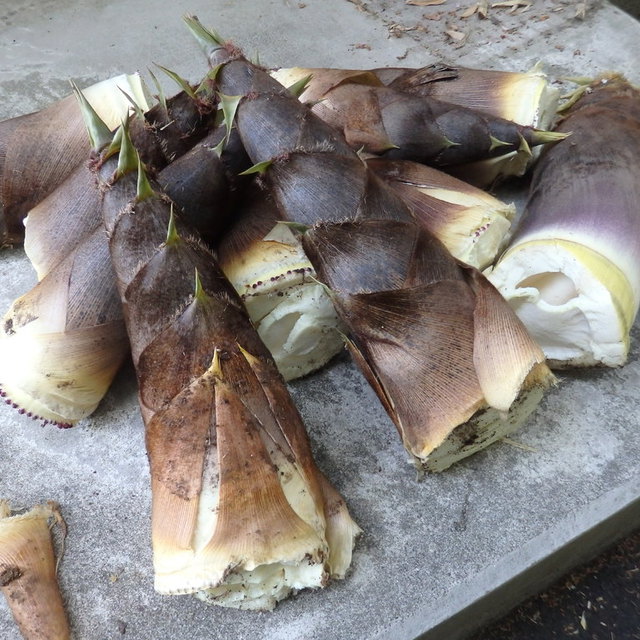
137, 109
128, 156
547, 137
249, 357
450, 143
206, 38
199, 293
524, 147
298, 88
203, 87
173, 237
260, 167
160, 95
229, 106
99, 133
179, 80
215, 369
144, 189
496, 143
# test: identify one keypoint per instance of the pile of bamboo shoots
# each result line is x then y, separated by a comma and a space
241, 232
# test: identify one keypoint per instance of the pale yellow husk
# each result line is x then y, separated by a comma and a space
479, 232
28, 573
110, 102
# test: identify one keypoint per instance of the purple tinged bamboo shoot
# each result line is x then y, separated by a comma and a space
522, 97
571, 271
416, 126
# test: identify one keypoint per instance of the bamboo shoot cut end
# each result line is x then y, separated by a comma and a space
262, 588
484, 428
575, 303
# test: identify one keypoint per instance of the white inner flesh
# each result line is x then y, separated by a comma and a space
298, 324
482, 228
478, 433
566, 309
292, 313
481, 248
51, 377
263, 587
540, 110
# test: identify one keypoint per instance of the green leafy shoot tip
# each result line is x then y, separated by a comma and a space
147, 92
99, 133
496, 143
295, 226
199, 292
298, 87
524, 147
572, 98
208, 39
114, 146
128, 156
160, 95
181, 82
581, 80
219, 148
172, 232
229, 105
260, 167
144, 189
450, 143
205, 86
137, 109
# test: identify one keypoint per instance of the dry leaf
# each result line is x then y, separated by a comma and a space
523, 5
424, 3
481, 8
581, 10
470, 11
457, 36
583, 621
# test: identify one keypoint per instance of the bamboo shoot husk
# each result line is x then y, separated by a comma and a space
40, 150
239, 513
317, 182
28, 573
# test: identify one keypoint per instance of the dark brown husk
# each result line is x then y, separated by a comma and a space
314, 180
209, 391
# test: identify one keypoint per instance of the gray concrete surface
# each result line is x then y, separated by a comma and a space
439, 556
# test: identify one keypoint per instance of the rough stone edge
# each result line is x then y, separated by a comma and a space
491, 593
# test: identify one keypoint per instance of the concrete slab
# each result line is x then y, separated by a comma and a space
438, 557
